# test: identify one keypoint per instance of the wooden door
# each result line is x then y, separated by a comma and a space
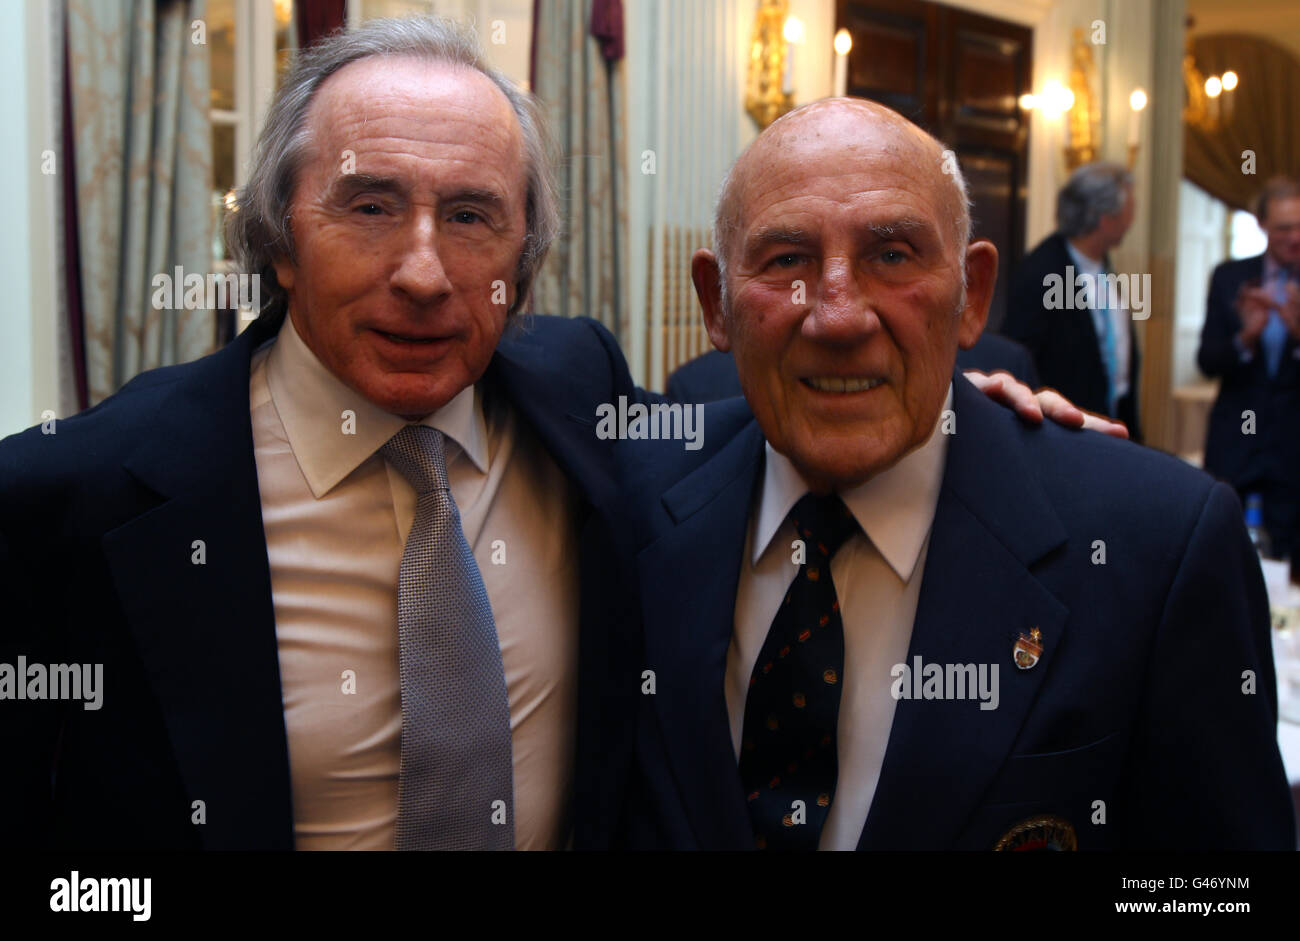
960, 76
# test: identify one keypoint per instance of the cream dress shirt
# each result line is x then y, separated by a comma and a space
336, 517
877, 575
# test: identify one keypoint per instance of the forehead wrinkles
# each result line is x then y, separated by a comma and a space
793, 188
415, 115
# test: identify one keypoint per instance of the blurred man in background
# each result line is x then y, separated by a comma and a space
1089, 354
1249, 343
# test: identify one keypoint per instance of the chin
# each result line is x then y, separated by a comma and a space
408, 403
840, 471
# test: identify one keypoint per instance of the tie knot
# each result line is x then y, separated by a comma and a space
417, 453
823, 521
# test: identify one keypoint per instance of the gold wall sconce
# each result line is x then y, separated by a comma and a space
1078, 104
1210, 100
1083, 118
769, 91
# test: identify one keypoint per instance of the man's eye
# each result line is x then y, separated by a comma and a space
893, 256
466, 217
369, 209
787, 261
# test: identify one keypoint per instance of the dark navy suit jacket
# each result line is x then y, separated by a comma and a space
96, 527
1272, 453
713, 376
1064, 342
1137, 701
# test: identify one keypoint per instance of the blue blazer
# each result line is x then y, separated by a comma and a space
96, 526
1272, 453
1137, 700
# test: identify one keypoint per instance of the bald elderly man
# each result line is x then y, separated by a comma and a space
268, 542
899, 618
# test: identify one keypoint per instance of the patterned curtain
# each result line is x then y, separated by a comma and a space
578, 78
1263, 119
142, 159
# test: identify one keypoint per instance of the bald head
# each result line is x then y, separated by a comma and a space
852, 128
852, 281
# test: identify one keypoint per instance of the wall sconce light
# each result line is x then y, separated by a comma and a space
1208, 101
1137, 102
1083, 120
793, 32
843, 43
769, 91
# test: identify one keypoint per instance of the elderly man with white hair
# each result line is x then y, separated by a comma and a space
1086, 351
354, 580
882, 613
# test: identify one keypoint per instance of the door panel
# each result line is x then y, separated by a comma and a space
960, 76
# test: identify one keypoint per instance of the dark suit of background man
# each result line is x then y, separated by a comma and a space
835, 534
1250, 344
1089, 356
225, 536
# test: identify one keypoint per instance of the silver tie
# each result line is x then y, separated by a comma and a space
456, 786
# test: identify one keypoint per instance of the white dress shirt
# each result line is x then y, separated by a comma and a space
877, 575
336, 517
1119, 319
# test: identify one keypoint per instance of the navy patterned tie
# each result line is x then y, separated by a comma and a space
788, 748
456, 786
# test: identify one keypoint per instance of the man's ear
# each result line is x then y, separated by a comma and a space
981, 278
708, 288
283, 271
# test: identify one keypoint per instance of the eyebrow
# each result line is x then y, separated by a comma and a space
778, 236
480, 197
884, 231
892, 230
349, 185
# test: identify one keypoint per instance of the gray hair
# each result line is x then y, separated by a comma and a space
1094, 190
258, 232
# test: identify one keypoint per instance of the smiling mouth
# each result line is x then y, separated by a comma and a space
841, 384
415, 341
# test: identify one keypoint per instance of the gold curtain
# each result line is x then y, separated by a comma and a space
1263, 120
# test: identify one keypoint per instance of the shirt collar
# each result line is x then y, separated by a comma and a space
311, 400
1082, 261
1271, 270
894, 508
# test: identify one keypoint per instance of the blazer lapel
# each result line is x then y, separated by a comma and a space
688, 583
547, 399
977, 595
204, 623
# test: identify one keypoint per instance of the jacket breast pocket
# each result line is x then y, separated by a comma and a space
1074, 772
1050, 793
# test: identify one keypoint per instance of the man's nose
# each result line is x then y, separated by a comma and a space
421, 275
843, 307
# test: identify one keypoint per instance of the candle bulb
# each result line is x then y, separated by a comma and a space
843, 43
793, 32
1229, 81
1137, 101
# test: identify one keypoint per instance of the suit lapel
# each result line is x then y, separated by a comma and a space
977, 595
206, 632
527, 374
689, 578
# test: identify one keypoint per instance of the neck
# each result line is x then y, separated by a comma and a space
1089, 246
